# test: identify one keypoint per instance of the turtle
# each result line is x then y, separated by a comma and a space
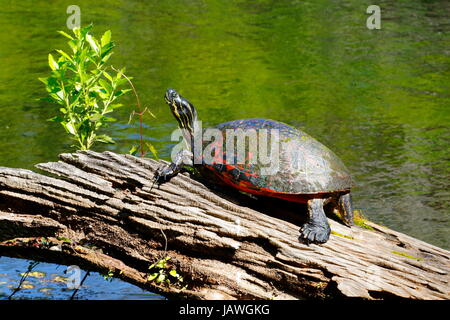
306, 171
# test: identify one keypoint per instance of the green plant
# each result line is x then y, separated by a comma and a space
108, 276
83, 88
160, 272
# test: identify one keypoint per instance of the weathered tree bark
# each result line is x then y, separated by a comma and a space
224, 245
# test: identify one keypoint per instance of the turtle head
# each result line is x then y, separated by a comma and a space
182, 110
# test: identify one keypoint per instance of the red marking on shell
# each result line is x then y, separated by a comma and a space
246, 186
229, 167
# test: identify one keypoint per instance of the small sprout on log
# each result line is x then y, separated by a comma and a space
108, 276
160, 272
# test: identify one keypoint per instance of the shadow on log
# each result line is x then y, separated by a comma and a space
96, 210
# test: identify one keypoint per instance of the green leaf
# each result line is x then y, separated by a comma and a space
152, 149
69, 127
84, 31
76, 32
60, 94
52, 63
106, 38
115, 106
44, 80
133, 151
105, 58
65, 35
152, 276
105, 85
119, 93
56, 119
52, 82
105, 139
109, 119
65, 55
73, 45
56, 98
95, 117
120, 73
174, 273
161, 278
46, 99
107, 76
107, 49
121, 81
162, 263
93, 42
103, 95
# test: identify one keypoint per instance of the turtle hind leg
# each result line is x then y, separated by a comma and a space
316, 229
345, 208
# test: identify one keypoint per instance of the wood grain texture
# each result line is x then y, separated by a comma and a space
225, 246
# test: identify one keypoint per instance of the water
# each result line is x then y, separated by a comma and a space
379, 98
49, 281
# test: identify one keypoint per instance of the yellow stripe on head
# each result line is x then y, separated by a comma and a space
182, 110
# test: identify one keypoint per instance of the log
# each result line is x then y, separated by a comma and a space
99, 211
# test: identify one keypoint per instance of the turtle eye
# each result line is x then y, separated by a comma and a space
171, 94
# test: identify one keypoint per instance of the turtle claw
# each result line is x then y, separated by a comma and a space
317, 229
166, 172
162, 174
313, 233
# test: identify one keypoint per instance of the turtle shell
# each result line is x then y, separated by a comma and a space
301, 165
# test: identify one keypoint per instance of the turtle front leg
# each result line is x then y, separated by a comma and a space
165, 173
316, 229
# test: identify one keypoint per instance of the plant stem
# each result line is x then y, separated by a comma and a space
31, 266
140, 113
